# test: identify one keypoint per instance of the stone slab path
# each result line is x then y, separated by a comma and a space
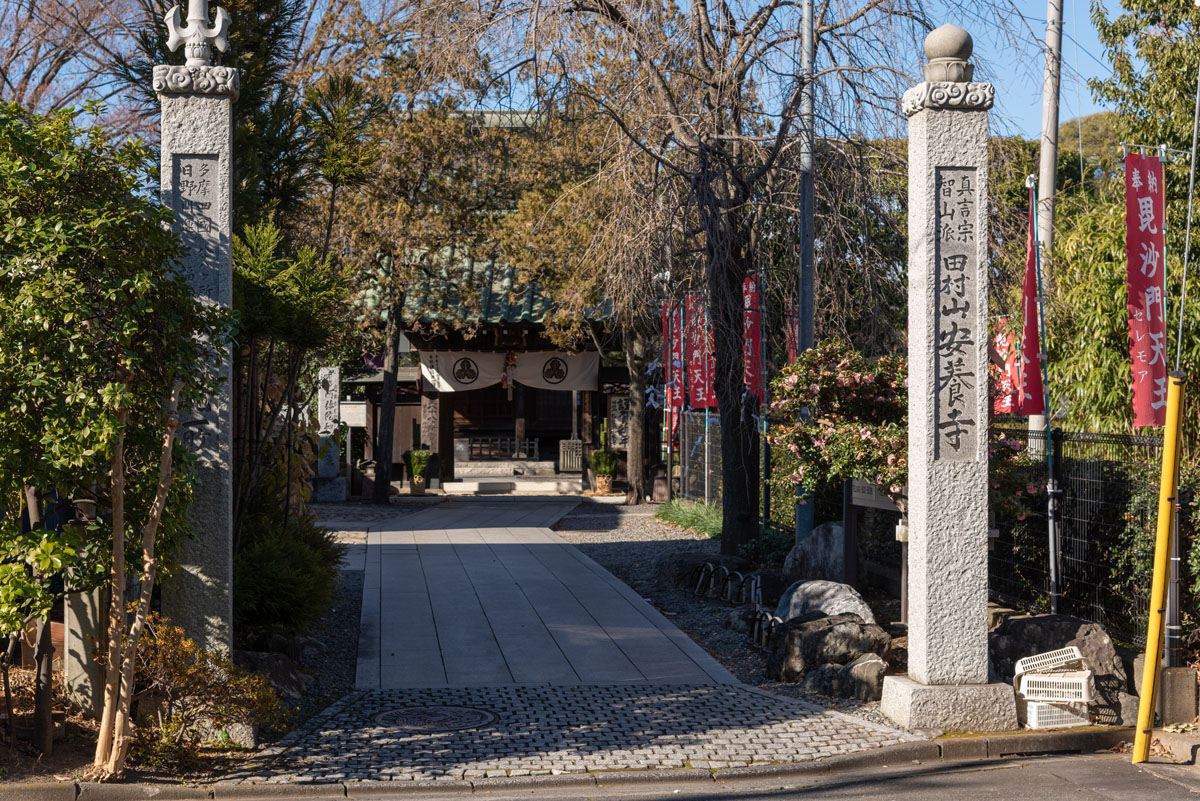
492, 647
468, 594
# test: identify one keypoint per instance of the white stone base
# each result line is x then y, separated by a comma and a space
949, 707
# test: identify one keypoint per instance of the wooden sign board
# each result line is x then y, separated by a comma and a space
865, 494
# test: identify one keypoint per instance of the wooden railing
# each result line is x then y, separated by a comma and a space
485, 448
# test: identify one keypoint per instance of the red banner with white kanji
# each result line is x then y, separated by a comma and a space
1008, 392
673, 365
1032, 398
1145, 271
752, 337
700, 367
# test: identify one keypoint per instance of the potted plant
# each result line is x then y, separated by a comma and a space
416, 462
604, 463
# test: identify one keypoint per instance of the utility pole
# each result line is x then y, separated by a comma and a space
804, 512
1048, 159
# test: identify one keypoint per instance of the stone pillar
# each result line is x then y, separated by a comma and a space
85, 623
329, 398
197, 163
329, 486
947, 684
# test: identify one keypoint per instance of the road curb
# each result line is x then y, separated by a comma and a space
947, 749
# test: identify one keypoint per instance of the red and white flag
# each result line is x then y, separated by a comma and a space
1032, 398
1008, 396
752, 337
1145, 274
700, 368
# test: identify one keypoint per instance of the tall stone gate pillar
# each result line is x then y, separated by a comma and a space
947, 684
197, 164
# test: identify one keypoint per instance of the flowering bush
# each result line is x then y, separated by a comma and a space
855, 414
855, 418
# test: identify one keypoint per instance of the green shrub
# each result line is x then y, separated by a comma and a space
416, 462
604, 462
284, 578
700, 517
184, 694
771, 547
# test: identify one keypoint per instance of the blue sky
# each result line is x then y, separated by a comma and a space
1016, 70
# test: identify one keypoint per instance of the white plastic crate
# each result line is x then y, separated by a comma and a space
1062, 659
1073, 686
1043, 715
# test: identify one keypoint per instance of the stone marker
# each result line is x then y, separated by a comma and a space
329, 487
197, 161
947, 683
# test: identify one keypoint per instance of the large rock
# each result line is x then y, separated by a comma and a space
681, 571
1019, 637
804, 599
798, 647
861, 679
820, 556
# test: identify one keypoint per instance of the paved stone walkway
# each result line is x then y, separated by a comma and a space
471, 594
489, 646
553, 730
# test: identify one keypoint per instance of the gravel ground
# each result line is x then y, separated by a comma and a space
630, 543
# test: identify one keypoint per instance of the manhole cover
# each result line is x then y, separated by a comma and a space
434, 718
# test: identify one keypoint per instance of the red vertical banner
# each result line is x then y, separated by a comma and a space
675, 364
1032, 398
1145, 274
1007, 400
700, 354
752, 336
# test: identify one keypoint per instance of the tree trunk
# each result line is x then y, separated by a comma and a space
43, 653
329, 221
727, 267
387, 411
116, 606
637, 348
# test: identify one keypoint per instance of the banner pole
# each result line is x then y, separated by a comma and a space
1167, 491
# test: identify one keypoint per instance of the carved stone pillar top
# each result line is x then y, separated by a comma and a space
196, 81
197, 35
948, 74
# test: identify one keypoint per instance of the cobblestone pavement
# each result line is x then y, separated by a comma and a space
529, 730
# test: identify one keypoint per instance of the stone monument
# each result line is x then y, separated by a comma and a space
947, 683
197, 161
329, 487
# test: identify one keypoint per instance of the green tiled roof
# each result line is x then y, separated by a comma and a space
495, 296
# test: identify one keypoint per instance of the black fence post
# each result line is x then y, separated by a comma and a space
1054, 517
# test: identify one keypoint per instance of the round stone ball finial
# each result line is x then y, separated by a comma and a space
948, 49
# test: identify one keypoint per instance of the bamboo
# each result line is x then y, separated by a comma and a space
1162, 551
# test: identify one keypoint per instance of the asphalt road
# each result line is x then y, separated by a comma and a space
1095, 777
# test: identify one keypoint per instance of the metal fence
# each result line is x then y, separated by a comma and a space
700, 457
1109, 486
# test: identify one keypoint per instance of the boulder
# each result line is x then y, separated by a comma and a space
804, 598
680, 571
820, 556
798, 647
281, 671
1019, 637
1116, 708
861, 679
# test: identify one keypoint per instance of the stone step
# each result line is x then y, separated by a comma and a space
514, 467
491, 485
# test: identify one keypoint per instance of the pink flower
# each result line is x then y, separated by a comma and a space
1031, 489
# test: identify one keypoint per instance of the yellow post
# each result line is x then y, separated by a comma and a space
1167, 489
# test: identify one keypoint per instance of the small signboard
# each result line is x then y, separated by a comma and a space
619, 407
870, 496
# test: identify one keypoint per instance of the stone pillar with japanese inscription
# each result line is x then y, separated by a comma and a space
329, 486
197, 163
947, 683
